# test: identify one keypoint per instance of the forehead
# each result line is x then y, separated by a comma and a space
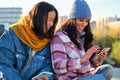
51, 14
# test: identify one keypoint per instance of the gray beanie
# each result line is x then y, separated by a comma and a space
80, 9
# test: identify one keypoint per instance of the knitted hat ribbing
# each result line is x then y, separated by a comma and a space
80, 9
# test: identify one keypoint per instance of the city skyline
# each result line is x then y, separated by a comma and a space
99, 8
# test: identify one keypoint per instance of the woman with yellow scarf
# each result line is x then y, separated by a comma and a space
25, 48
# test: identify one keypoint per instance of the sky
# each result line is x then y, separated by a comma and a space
99, 8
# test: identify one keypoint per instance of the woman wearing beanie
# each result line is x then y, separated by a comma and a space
72, 48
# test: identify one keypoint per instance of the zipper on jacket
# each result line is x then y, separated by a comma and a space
32, 53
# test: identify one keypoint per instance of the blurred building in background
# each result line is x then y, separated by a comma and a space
107, 22
10, 14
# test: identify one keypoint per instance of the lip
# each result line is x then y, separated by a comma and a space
80, 30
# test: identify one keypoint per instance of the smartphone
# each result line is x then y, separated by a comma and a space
95, 60
42, 74
105, 50
95, 56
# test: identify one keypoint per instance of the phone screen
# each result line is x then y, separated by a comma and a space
105, 50
41, 75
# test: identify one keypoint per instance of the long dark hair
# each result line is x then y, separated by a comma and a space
70, 27
38, 19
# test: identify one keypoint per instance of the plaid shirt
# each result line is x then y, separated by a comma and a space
66, 58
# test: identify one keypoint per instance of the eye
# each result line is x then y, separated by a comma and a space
84, 20
50, 19
81, 20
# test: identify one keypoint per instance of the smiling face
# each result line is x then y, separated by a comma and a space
81, 23
50, 20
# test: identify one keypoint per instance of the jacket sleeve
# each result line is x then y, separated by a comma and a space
61, 62
7, 59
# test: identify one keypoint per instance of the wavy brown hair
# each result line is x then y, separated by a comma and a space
70, 27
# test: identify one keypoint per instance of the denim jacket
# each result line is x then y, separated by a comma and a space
16, 62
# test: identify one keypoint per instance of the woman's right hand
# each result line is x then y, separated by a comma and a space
89, 53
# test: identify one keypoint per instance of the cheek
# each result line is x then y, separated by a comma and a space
84, 27
86, 24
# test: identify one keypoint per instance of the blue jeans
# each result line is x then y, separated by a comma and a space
105, 72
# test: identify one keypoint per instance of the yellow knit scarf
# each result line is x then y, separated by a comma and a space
25, 34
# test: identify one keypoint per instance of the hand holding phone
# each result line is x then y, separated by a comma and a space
41, 75
105, 50
96, 60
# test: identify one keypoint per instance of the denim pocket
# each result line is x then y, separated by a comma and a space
20, 59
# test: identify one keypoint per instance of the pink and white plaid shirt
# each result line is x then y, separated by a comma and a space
66, 58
